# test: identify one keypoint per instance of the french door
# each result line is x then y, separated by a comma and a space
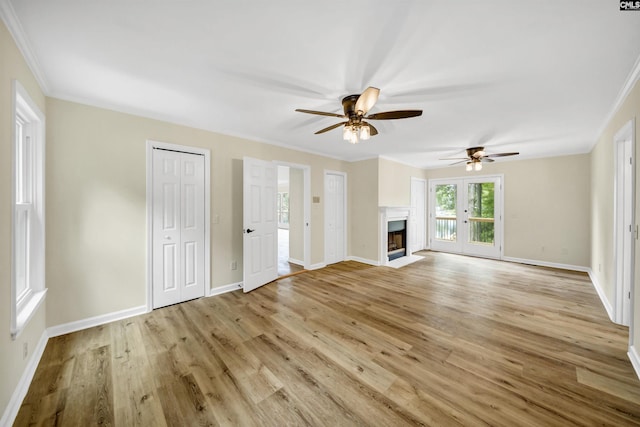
466, 216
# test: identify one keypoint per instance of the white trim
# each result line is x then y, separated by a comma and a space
151, 144
539, 263
8, 15
11, 411
296, 262
24, 107
27, 312
363, 260
626, 134
78, 325
632, 79
635, 360
393, 213
317, 266
224, 289
603, 296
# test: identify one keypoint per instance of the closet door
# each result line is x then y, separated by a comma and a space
334, 217
178, 227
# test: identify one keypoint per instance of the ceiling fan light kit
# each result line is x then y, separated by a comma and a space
355, 109
475, 157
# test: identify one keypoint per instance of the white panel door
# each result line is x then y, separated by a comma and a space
418, 217
178, 227
260, 243
335, 216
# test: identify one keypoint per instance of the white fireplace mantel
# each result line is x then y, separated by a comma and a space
392, 213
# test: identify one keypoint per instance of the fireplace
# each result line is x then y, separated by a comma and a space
396, 238
394, 234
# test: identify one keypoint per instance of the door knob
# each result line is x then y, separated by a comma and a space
167, 237
250, 230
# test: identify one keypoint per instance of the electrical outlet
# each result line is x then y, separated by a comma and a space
25, 350
234, 265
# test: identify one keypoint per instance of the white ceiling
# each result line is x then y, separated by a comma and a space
536, 77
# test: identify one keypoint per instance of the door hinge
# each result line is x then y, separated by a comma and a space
629, 295
630, 160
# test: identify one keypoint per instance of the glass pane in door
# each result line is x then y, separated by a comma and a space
480, 211
445, 227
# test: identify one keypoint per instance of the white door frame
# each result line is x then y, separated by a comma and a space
306, 177
459, 246
207, 212
346, 228
624, 214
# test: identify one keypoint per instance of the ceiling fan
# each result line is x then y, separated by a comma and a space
355, 109
475, 157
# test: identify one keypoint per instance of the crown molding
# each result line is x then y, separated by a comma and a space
10, 19
630, 82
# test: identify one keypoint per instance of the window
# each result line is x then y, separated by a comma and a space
28, 288
283, 210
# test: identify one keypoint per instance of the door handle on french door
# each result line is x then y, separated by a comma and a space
249, 230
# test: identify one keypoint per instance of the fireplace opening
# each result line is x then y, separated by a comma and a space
397, 236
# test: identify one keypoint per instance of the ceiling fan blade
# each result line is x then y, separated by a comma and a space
486, 159
502, 154
455, 158
457, 163
372, 130
390, 115
321, 113
327, 129
367, 99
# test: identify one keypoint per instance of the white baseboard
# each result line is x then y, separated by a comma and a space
596, 285
603, 297
547, 264
364, 260
296, 262
317, 266
635, 360
22, 388
78, 325
224, 289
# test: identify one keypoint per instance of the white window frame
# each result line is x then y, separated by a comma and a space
32, 121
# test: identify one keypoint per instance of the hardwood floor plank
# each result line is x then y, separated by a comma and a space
445, 341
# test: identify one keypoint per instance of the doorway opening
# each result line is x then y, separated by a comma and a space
290, 214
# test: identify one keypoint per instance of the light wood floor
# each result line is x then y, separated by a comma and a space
445, 341
284, 266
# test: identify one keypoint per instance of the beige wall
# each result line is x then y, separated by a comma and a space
12, 365
394, 182
602, 206
296, 214
96, 173
362, 210
547, 207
